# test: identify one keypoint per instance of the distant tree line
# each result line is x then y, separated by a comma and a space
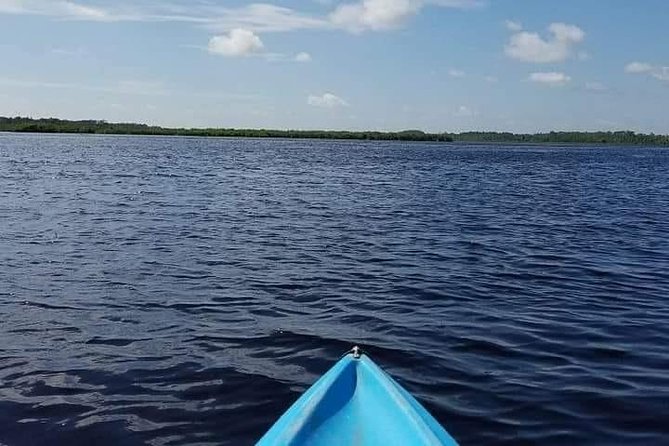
619, 137
52, 125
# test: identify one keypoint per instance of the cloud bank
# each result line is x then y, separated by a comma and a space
357, 16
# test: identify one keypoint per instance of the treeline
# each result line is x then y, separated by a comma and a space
52, 125
620, 137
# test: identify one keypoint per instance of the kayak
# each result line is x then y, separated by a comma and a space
356, 403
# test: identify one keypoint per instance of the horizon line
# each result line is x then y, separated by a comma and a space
288, 129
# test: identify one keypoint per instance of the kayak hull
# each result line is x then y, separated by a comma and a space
356, 403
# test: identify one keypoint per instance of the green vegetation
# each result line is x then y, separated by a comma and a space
52, 125
620, 137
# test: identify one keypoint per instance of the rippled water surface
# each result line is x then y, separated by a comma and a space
172, 291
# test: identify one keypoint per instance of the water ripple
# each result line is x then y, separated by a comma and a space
172, 291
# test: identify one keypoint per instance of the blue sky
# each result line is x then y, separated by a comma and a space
437, 65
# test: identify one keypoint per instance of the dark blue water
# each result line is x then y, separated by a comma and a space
171, 291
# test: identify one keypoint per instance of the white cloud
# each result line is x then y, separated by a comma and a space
59, 8
356, 15
238, 42
456, 73
566, 33
379, 15
531, 47
464, 112
83, 12
596, 87
659, 73
260, 17
638, 67
11, 7
303, 57
491, 79
551, 78
326, 100
512, 25
374, 14
68, 52
122, 87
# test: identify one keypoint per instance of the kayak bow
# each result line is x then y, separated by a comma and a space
356, 403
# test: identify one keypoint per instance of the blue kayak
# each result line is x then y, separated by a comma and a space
356, 403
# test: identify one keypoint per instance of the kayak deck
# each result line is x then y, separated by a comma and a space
356, 403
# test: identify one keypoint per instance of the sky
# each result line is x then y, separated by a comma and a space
435, 65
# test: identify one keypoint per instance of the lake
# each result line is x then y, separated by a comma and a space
172, 291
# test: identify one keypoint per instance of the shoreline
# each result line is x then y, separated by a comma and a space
446, 143
92, 127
